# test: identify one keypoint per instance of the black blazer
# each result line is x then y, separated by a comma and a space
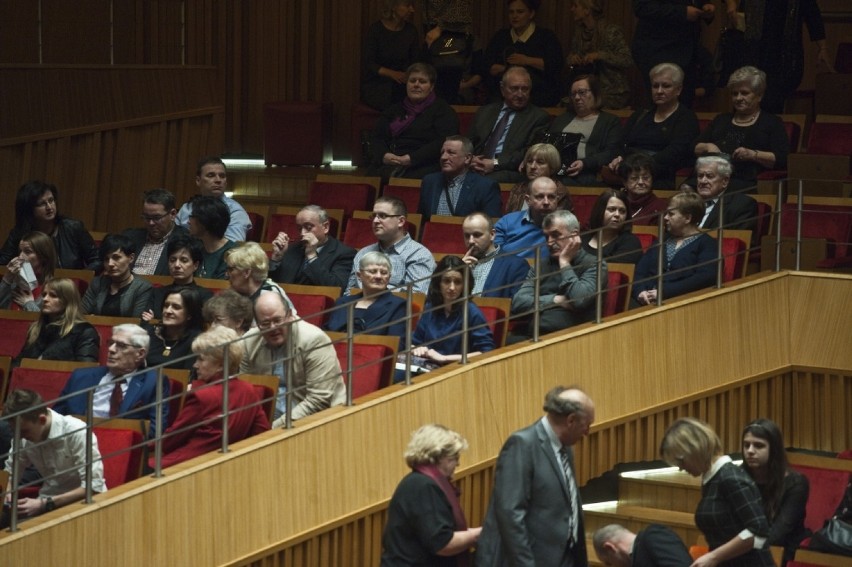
81, 344
659, 546
524, 131
139, 236
332, 266
740, 213
478, 193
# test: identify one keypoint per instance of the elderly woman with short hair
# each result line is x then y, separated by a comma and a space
541, 160
426, 525
756, 141
247, 269
198, 427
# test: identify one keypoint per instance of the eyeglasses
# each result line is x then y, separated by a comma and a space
153, 218
270, 323
120, 345
580, 92
382, 216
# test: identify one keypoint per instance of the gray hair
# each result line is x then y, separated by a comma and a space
723, 165
138, 336
555, 404
374, 257
467, 145
752, 76
317, 210
566, 218
674, 70
608, 533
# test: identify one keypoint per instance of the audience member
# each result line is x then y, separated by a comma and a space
208, 222
729, 513
524, 44
412, 262
714, 177
124, 388
185, 255
438, 335
426, 524
171, 340
158, 214
598, 48
456, 190
198, 427
117, 292
408, 135
502, 131
688, 264
637, 174
541, 160
61, 332
448, 20
391, 45
520, 232
56, 446
494, 274
36, 210
667, 134
377, 310
568, 280
535, 516
599, 132
610, 230
655, 546
229, 309
248, 273
784, 491
755, 141
211, 178
316, 257
15, 292
314, 369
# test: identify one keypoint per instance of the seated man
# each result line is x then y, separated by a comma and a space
740, 210
56, 446
123, 389
455, 190
655, 546
520, 232
313, 257
410, 260
158, 214
211, 178
494, 274
568, 280
315, 371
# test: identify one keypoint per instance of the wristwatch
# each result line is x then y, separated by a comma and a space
49, 504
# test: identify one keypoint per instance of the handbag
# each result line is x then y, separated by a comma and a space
451, 50
834, 537
566, 143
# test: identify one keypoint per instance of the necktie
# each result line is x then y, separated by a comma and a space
708, 208
572, 491
116, 398
497, 135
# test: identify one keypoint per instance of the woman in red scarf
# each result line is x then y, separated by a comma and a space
426, 525
408, 136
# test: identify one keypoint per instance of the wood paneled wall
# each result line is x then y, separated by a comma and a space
314, 495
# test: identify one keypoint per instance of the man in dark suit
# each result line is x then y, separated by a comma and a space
158, 214
455, 190
713, 174
535, 516
501, 132
655, 546
494, 274
316, 258
123, 389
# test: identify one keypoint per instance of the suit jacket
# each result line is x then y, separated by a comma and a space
524, 131
134, 300
508, 269
478, 194
139, 401
528, 519
317, 378
601, 147
659, 546
740, 213
332, 266
139, 236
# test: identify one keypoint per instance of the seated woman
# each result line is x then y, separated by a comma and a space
208, 222
756, 141
60, 332
610, 230
181, 322
408, 136
729, 514
36, 210
637, 173
437, 338
391, 45
229, 309
541, 160
536, 49
185, 255
198, 427
688, 264
15, 293
117, 292
667, 134
599, 131
598, 47
784, 492
247, 268
377, 311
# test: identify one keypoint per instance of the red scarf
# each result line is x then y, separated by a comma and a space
412, 111
452, 494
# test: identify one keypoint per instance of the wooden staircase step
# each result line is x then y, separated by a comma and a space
662, 488
636, 518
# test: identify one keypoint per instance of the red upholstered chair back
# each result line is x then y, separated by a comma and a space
121, 450
734, 253
359, 233
309, 300
444, 238
617, 296
830, 138
647, 240
15, 326
496, 312
827, 488
256, 232
347, 196
47, 383
834, 223
583, 205
408, 195
373, 366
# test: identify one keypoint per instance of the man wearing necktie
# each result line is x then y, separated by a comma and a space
713, 174
535, 516
502, 131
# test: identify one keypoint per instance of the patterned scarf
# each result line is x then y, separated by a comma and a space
412, 110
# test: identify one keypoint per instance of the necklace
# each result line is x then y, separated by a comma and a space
167, 350
748, 120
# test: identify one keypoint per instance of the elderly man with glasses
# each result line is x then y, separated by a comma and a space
151, 241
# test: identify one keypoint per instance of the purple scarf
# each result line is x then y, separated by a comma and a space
412, 111
452, 494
